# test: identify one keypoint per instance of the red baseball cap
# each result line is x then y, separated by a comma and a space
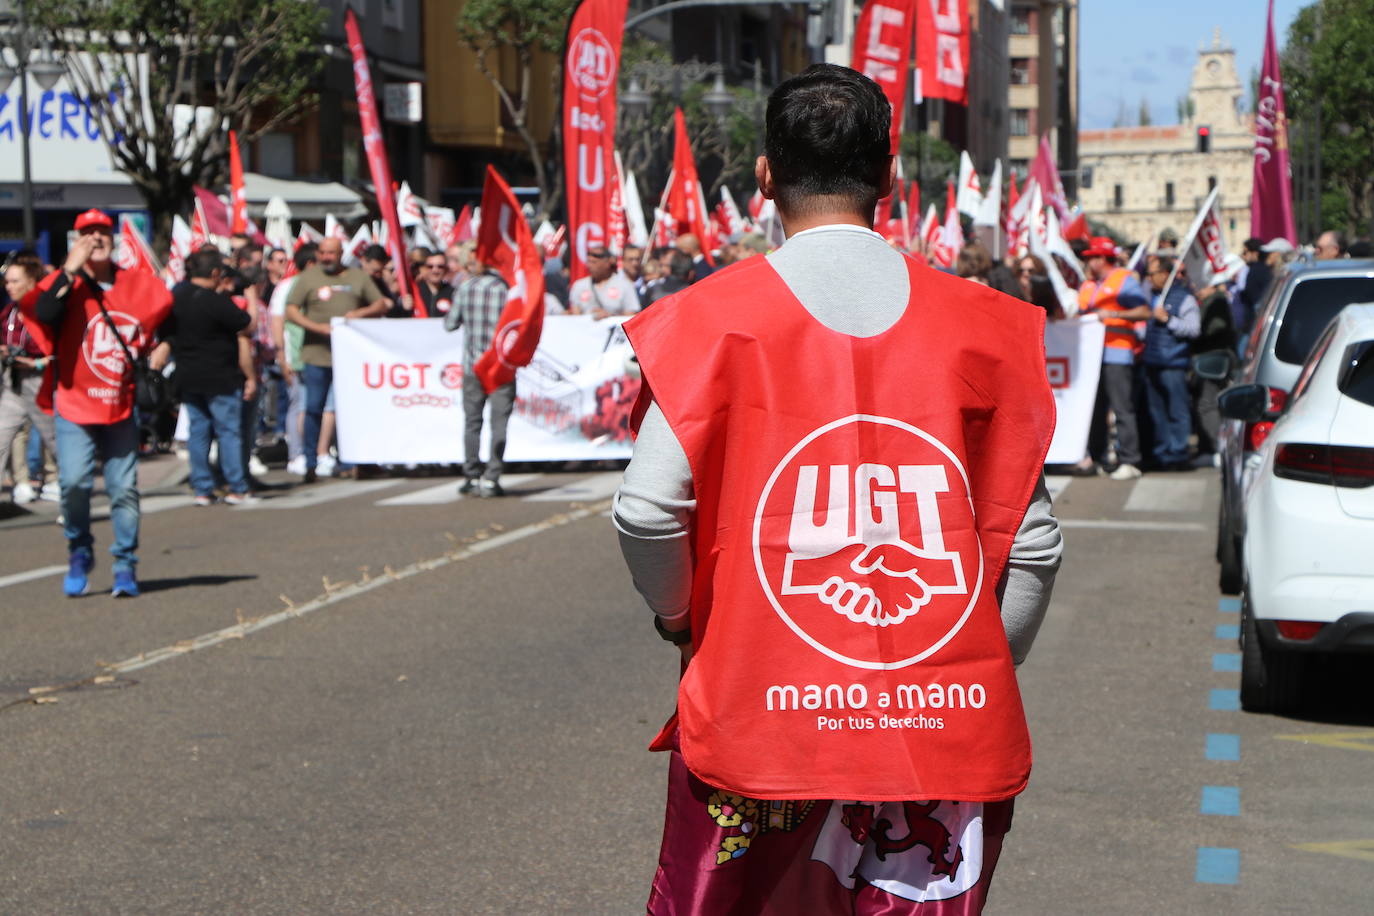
94, 218
1099, 247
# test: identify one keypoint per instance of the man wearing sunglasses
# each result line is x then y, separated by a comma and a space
435, 291
604, 291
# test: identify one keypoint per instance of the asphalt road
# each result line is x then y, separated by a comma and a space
370, 697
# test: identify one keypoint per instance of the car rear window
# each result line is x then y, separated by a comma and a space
1312, 305
1358, 380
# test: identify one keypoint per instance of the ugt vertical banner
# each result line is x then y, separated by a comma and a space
942, 49
377, 163
590, 69
882, 51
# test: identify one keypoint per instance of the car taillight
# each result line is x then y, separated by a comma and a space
1299, 629
1256, 433
1278, 397
1335, 465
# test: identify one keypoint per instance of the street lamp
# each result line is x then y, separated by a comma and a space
46, 71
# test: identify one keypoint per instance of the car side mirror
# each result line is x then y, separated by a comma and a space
1214, 365
1244, 402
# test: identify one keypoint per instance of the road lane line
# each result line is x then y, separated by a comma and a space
598, 486
1229, 631
1228, 605
1217, 865
1166, 494
1228, 662
1108, 524
447, 492
1360, 850
41, 573
1223, 747
1350, 741
352, 590
314, 496
1057, 485
1220, 800
1225, 700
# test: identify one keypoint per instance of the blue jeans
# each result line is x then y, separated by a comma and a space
222, 414
34, 455
318, 381
1166, 393
79, 448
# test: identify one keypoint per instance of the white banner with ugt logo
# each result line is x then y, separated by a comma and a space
1073, 361
398, 389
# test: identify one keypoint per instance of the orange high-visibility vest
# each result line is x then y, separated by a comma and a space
1101, 297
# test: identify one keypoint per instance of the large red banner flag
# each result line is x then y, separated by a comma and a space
590, 67
942, 49
882, 51
686, 202
238, 196
375, 146
504, 241
1271, 200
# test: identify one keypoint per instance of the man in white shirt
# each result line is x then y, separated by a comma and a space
603, 292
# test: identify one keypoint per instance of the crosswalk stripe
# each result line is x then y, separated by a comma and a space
1057, 485
1166, 494
314, 496
598, 486
447, 492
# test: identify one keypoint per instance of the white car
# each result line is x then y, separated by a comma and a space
1309, 535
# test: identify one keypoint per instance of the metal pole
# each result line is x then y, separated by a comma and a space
21, 52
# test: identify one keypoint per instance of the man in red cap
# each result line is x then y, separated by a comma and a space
76, 313
1115, 294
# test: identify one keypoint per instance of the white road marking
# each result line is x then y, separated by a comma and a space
314, 496
448, 492
1166, 494
1057, 485
1107, 524
30, 575
599, 486
238, 631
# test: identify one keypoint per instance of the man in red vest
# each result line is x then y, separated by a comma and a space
75, 314
836, 510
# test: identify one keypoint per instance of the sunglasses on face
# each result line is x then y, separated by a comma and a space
598, 254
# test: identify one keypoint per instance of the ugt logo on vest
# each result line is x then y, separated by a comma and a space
865, 544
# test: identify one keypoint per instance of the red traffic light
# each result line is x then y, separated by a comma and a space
1204, 131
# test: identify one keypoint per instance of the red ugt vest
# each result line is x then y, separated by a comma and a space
856, 502
94, 380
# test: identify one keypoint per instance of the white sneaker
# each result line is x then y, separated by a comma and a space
52, 492
325, 465
1125, 472
240, 499
24, 493
255, 466
296, 466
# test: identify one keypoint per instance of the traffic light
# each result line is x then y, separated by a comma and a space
1204, 139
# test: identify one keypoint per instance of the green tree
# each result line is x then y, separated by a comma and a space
247, 64
1328, 69
1144, 116
524, 26
931, 162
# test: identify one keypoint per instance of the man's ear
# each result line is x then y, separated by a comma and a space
763, 174
889, 178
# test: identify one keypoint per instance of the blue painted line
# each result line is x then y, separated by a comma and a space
1223, 747
1218, 866
1229, 605
1226, 661
1222, 800
1223, 699
1228, 631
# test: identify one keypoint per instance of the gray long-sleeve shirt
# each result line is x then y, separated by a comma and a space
654, 507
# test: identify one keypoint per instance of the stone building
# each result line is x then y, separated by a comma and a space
1146, 179
1043, 90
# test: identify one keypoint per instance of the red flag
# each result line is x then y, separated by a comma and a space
238, 197
913, 212
377, 163
133, 251
462, 229
1013, 195
589, 96
1046, 175
616, 226
686, 203
882, 51
1078, 228
942, 49
505, 242
1271, 203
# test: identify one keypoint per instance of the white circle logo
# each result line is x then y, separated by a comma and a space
865, 543
103, 352
591, 64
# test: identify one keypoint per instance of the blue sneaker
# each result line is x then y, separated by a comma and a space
125, 584
77, 581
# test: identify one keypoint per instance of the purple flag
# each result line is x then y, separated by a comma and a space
1271, 201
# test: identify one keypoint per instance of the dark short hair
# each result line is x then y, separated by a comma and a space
305, 255
827, 134
202, 264
1164, 263
1253, 244
376, 253
679, 265
1360, 248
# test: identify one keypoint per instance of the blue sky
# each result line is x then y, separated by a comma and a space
1132, 52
